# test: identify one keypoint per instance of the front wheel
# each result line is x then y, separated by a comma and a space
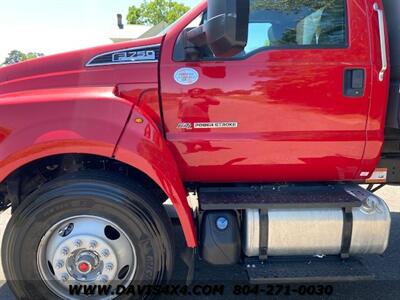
86, 229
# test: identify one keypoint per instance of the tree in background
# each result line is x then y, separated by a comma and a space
154, 12
17, 56
288, 5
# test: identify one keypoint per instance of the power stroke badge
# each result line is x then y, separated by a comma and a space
207, 125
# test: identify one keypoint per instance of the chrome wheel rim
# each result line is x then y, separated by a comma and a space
86, 250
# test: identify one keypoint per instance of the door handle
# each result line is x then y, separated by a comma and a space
382, 38
354, 82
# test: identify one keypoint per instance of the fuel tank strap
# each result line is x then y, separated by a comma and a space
263, 234
347, 233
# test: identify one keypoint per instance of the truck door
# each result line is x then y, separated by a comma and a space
292, 107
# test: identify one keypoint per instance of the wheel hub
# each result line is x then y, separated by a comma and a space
85, 250
84, 265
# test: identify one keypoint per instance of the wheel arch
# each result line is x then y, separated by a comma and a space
50, 167
143, 145
116, 130
27, 177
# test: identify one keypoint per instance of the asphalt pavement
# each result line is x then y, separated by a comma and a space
386, 267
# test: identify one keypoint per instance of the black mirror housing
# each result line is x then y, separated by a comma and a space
227, 26
226, 30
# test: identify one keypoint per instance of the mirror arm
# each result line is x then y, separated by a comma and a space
197, 36
192, 51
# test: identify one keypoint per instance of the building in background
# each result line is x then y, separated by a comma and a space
63, 38
127, 32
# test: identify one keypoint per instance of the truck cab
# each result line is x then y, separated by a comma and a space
268, 113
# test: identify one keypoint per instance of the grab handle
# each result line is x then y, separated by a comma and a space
382, 38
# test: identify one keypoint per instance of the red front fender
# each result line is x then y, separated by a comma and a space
89, 120
40, 123
143, 146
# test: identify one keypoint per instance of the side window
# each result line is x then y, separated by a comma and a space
284, 24
296, 24
180, 54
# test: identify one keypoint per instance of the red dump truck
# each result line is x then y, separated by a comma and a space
270, 113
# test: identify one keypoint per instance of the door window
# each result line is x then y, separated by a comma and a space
289, 24
296, 24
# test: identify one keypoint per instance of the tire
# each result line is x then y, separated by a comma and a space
90, 199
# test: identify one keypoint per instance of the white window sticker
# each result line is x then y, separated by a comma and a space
186, 76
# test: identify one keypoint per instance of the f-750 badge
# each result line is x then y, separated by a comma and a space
145, 54
132, 55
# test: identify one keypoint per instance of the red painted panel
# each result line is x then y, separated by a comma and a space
143, 146
35, 124
294, 124
144, 95
56, 105
92, 121
69, 70
379, 95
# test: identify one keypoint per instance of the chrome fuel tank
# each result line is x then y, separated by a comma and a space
318, 231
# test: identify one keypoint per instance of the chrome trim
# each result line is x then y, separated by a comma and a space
90, 64
382, 38
251, 239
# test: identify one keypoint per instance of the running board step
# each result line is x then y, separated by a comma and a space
282, 196
316, 270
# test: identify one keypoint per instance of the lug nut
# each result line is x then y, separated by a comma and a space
60, 264
109, 267
103, 279
77, 243
65, 251
64, 277
92, 244
105, 252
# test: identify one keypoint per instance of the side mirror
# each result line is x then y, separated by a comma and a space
226, 29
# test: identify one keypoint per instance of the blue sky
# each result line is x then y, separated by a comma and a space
52, 26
